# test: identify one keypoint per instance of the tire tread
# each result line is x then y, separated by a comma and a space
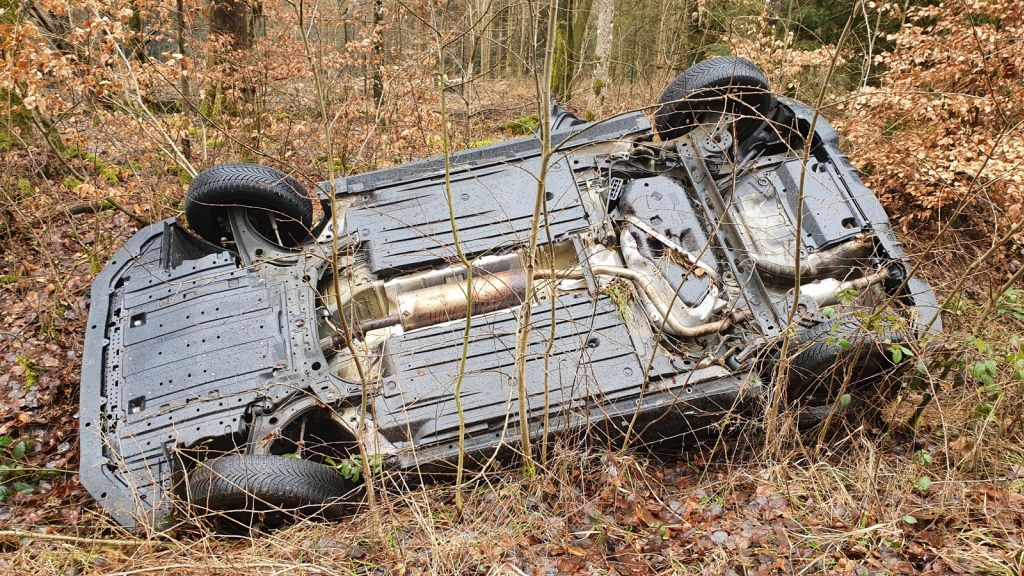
715, 74
227, 482
248, 185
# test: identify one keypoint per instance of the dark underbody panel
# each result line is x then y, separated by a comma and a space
193, 346
407, 226
185, 340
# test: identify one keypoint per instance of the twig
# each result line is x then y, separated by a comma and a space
21, 534
94, 206
468, 265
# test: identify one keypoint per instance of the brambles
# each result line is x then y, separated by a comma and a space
16, 475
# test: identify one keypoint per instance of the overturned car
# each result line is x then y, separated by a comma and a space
635, 281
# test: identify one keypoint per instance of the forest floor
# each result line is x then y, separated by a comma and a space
944, 497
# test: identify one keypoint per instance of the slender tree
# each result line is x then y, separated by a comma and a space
604, 32
230, 20
569, 32
377, 56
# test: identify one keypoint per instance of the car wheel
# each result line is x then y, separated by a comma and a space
822, 351
714, 86
278, 199
249, 490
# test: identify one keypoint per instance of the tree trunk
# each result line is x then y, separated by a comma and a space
569, 33
378, 53
661, 44
562, 65
523, 27
230, 19
179, 19
604, 36
137, 38
483, 39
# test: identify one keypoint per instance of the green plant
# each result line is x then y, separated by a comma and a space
898, 352
922, 483
24, 187
49, 323
95, 265
351, 468
30, 370
1011, 302
15, 474
991, 367
923, 458
620, 295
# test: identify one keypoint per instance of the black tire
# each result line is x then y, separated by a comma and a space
822, 350
271, 191
276, 488
717, 85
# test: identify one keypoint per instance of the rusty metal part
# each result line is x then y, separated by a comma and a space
377, 323
827, 292
671, 324
331, 344
673, 245
447, 302
819, 264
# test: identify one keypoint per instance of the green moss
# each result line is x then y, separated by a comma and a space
106, 170
16, 122
30, 370
561, 66
8, 279
7, 139
339, 164
524, 126
979, 19
210, 107
24, 187
481, 143
71, 183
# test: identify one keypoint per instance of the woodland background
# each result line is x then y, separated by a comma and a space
108, 108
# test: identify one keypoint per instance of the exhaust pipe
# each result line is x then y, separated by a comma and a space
447, 302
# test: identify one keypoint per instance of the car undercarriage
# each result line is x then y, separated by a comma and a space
649, 301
